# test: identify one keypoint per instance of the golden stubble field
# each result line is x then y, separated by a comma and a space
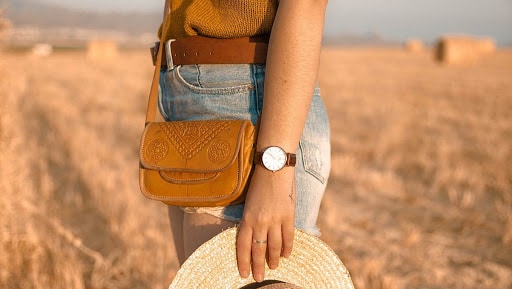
420, 194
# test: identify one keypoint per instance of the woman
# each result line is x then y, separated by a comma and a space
282, 94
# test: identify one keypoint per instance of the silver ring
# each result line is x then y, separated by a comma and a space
259, 241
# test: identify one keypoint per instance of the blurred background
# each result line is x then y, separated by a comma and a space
419, 95
347, 22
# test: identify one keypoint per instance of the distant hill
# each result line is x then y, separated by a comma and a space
358, 40
30, 13
49, 18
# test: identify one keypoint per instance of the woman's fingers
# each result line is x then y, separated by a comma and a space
275, 245
288, 234
256, 248
251, 249
243, 250
258, 253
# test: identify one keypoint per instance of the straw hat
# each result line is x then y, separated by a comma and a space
312, 264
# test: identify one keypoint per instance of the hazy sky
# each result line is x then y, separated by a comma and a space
393, 19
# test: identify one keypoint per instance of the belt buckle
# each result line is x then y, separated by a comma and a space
168, 53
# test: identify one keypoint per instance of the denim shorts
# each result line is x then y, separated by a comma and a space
196, 92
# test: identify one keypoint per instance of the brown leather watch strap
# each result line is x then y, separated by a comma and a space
291, 159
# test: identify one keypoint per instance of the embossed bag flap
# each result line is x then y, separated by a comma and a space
192, 146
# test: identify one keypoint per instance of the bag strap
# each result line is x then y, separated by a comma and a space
153, 93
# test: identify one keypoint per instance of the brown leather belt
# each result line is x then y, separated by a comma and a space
204, 50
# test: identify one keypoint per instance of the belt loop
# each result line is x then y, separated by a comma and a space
168, 53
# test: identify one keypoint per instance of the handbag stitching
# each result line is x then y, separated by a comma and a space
189, 138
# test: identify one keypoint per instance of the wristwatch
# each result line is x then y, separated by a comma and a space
274, 158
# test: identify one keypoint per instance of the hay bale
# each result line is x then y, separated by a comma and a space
414, 45
102, 50
463, 49
4, 24
42, 50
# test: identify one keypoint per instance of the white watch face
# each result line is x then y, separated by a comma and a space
274, 158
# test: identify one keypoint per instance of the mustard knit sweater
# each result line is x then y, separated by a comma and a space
220, 18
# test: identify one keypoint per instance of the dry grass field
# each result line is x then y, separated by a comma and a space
420, 194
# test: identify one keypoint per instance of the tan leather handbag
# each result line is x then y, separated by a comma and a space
194, 163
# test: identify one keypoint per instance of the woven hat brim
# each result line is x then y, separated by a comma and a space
312, 264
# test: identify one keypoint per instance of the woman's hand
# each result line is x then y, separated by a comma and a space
267, 226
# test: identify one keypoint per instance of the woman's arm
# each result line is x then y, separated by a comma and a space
291, 75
